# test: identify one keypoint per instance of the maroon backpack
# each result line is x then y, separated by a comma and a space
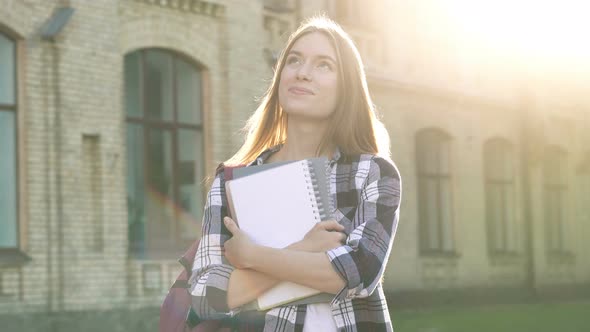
176, 314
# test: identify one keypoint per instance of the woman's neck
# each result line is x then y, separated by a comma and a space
303, 140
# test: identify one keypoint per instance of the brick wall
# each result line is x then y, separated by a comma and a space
72, 150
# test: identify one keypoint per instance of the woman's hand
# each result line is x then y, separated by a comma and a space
324, 236
239, 247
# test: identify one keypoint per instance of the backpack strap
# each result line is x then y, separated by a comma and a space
188, 258
178, 283
228, 171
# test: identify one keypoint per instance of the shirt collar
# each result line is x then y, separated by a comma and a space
264, 155
336, 156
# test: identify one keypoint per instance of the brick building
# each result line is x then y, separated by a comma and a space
113, 112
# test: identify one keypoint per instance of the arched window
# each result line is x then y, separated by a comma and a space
8, 143
502, 231
555, 190
434, 191
163, 105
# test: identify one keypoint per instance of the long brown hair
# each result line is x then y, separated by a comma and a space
355, 127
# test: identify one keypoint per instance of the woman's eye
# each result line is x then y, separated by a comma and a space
292, 60
324, 65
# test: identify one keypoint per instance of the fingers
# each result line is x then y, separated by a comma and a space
231, 225
338, 237
330, 225
343, 238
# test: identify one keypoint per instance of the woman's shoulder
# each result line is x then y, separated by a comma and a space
384, 166
223, 170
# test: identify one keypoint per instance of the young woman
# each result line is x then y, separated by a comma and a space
318, 104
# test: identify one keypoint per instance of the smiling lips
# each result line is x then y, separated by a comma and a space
300, 91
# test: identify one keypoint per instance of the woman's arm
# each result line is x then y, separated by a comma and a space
312, 269
352, 270
211, 270
362, 261
246, 285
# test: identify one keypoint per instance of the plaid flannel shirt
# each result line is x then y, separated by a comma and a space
366, 191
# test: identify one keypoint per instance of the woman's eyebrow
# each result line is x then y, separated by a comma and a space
321, 56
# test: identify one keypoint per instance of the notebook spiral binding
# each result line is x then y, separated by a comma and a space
329, 201
311, 182
320, 208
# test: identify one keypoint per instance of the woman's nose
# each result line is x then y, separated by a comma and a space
303, 73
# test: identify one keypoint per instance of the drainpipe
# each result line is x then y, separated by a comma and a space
49, 32
45, 83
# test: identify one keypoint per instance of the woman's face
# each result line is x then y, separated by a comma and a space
309, 78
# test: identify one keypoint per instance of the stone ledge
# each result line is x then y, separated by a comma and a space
192, 6
13, 258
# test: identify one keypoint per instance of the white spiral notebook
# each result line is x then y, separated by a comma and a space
276, 207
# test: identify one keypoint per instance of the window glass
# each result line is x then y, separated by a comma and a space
432, 211
446, 215
8, 213
555, 177
495, 213
164, 152
135, 187
160, 161
160, 188
552, 219
188, 93
133, 85
435, 210
7, 71
499, 177
510, 221
190, 175
158, 85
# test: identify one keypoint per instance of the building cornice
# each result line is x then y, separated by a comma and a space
191, 6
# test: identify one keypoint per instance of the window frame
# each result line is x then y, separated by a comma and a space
561, 187
174, 127
16, 256
443, 141
506, 183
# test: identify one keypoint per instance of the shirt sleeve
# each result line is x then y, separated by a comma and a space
361, 261
211, 270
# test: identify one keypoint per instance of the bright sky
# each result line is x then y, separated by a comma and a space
494, 47
548, 30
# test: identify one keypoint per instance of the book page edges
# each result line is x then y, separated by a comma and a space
284, 293
230, 202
